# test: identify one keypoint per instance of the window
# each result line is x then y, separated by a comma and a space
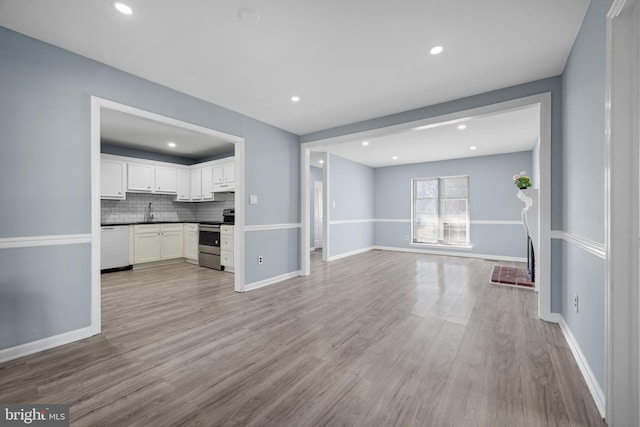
441, 211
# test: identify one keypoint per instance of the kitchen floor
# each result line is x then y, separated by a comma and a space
379, 338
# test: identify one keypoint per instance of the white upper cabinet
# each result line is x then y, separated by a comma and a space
223, 177
184, 176
207, 183
112, 179
218, 175
140, 177
228, 172
196, 184
166, 180
153, 179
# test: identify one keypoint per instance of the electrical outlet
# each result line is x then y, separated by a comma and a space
575, 302
260, 259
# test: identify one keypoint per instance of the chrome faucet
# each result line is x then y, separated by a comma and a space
149, 216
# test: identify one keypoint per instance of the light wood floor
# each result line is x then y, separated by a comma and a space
376, 339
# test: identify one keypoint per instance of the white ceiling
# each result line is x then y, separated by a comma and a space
347, 60
505, 132
126, 130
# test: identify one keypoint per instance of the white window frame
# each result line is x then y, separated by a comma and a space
440, 243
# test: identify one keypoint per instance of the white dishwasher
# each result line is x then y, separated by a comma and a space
114, 248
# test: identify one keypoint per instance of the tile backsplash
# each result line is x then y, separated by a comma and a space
163, 207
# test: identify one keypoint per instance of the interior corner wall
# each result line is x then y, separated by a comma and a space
45, 154
493, 203
351, 190
272, 167
583, 112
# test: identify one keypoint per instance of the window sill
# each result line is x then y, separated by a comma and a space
439, 246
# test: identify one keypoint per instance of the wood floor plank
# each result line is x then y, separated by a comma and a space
379, 338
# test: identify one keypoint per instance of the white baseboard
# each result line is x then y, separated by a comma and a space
460, 254
45, 344
271, 280
348, 254
551, 317
585, 369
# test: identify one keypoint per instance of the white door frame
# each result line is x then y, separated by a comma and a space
239, 145
544, 257
622, 130
317, 184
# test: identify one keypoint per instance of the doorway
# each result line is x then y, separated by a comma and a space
97, 106
543, 161
318, 215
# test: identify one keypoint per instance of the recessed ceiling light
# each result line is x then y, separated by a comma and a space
295, 99
365, 143
462, 126
248, 16
122, 8
321, 161
473, 147
436, 50
395, 157
172, 144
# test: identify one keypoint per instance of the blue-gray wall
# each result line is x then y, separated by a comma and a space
492, 197
583, 101
45, 155
272, 174
315, 174
351, 188
44, 291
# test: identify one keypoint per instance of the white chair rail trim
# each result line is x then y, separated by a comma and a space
408, 221
267, 227
591, 246
35, 241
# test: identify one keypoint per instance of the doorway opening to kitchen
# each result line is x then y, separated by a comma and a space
161, 178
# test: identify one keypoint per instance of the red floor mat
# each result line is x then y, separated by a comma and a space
511, 276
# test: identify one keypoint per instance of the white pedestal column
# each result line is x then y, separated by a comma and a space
530, 219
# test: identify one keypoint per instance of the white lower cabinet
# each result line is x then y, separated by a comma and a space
146, 243
191, 242
226, 247
226, 259
172, 242
156, 242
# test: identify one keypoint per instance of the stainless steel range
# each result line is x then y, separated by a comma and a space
209, 241
209, 246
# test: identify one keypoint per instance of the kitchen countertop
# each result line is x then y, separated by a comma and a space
163, 222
